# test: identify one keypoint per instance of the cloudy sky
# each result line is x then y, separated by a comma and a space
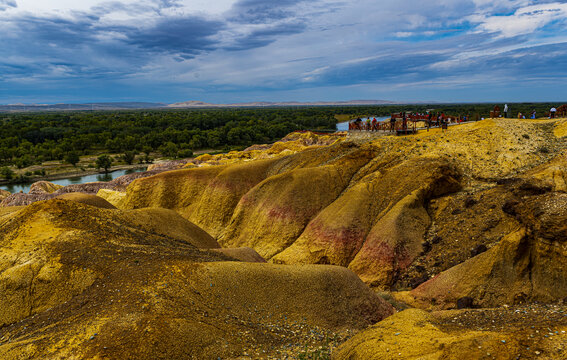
276, 50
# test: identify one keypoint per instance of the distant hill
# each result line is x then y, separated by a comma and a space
75, 107
200, 104
183, 105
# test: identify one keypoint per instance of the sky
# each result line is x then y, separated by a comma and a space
229, 51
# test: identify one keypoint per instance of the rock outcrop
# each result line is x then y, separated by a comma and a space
4, 194
527, 265
520, 224
507, 334
44, 187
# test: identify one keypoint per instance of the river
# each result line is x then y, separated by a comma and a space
14, 188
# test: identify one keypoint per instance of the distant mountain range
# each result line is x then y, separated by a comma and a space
200, 104
76, 107
180, 105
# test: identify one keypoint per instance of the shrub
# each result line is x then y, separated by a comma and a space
7, 173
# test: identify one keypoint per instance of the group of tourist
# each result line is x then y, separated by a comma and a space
399, 121
522, 116
553, 112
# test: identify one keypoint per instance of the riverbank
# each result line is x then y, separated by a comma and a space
56, 170
78, 172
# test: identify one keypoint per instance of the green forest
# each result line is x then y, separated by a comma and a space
32, 138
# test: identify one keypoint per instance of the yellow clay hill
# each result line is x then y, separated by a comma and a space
84, 281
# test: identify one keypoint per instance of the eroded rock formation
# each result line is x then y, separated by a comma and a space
375, 206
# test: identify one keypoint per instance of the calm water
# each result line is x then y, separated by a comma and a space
14, 188
344, 125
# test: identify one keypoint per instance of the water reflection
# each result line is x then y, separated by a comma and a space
14, 188
104, 177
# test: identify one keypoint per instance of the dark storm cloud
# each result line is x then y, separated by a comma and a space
64, 32
54, 39
272, 21
185, 36
165, 4
87, 44
549, 60
7, 70
262, 11
265, 36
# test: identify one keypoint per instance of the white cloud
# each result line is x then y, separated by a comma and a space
39, 6
43, 6
403, 34
494, 4
119, 11
525, 20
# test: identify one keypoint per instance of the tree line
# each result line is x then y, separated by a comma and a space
32, 138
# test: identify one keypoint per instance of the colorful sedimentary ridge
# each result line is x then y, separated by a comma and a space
363, 204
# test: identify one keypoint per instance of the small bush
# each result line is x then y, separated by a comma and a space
321, 354
7, 173
185, 153
398, 305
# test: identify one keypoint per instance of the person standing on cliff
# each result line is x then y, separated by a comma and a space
392, 122
505, 110
552, 113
